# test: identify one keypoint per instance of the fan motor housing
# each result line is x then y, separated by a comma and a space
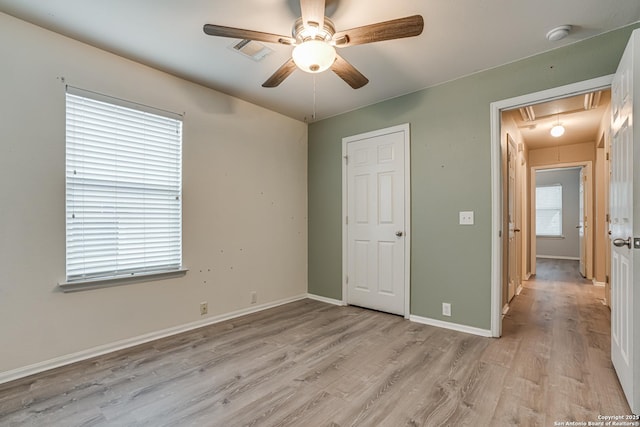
304, 33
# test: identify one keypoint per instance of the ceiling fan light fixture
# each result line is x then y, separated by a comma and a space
314, 56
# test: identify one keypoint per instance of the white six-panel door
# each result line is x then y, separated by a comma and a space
624, 298
375, 221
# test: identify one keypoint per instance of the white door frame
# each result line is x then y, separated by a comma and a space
587, 166
405, 128
496, 176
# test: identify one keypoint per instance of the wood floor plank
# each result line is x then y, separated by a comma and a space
313, 364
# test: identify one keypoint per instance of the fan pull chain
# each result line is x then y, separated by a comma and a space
313, 116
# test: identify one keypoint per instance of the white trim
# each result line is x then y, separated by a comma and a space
496, 186
572, 258
505, 309
598, 284
131, 342
519, 290
451, 326
588, 170
345, 230
326, 300
106, 282
405, 128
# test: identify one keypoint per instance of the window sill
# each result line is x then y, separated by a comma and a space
83, 285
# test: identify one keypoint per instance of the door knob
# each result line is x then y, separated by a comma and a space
578, 226
399, 233
516, 230
621, 242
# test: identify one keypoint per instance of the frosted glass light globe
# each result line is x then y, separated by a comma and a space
314, 56
557, 131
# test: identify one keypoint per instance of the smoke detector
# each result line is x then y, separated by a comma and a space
558, 33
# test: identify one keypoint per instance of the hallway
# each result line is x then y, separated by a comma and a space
559, 329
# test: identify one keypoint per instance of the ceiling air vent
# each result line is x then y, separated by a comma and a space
252, 49
527, 113
592, 100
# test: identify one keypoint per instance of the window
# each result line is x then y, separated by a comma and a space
123, 189
549, 210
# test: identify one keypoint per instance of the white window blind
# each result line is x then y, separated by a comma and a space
123, 189
549, 210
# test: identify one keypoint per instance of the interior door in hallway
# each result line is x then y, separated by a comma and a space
514, 220
624, 187
582, 224
376, 229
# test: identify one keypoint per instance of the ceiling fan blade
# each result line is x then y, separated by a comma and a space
313, 12
239, 33
281, 74
348, 73
388, 30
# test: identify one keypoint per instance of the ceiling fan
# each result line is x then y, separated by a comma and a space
315, 39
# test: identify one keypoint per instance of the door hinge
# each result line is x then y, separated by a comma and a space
346, 278
346, 159
500, 233
608, 220
607, 156
346, 220
606, 278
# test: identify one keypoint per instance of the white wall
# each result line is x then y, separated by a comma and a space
244, 209
569, 244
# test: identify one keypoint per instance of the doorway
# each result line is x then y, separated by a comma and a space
548, 185
563, 221
550, 156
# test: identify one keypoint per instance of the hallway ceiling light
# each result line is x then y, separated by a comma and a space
558, 130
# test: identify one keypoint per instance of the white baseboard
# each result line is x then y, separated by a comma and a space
418, 319
527, 276
449, 325
325, 299
519, 290
505, 309
130, 342
599, 284
571, 258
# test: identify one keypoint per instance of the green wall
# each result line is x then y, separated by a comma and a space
450, 172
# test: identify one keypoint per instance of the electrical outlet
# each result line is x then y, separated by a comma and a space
204, 308
466, 218
254, 297
446, 309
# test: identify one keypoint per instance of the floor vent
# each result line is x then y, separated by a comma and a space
252, 49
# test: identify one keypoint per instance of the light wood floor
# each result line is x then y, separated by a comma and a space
312, 364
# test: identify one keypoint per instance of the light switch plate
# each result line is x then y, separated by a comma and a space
466, 218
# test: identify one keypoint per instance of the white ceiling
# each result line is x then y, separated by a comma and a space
460, 37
